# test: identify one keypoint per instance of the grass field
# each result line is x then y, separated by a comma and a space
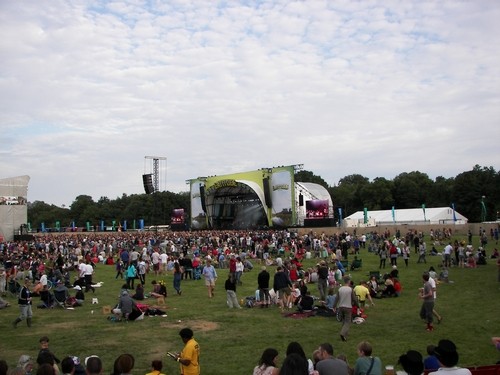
232, 341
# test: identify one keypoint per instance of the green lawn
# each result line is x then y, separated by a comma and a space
231, 341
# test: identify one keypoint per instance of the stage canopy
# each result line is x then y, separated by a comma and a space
268, 197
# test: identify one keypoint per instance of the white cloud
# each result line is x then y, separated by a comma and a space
87, 89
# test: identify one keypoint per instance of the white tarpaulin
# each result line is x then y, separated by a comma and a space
13, 205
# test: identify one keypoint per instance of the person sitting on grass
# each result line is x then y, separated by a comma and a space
267, 363
306, 303
411, 362
156, 367
447, 355
139, 292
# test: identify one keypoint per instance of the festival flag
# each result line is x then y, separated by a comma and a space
73, 225
102, 225
124, 225
113, 223
42, 226
141, 224
88, 226
133, 225
58, 226
483, 211
365, 215
393, 215
423, 209
29, 226
454, 215
340, 215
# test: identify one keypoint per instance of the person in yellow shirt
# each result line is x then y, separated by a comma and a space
190, 355
362, 292
156, 366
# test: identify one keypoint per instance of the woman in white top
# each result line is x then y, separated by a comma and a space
267, 363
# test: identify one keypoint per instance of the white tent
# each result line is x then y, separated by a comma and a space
13, 205
414, 216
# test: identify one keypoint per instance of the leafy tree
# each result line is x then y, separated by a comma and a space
411, 189
308, 176
378, 194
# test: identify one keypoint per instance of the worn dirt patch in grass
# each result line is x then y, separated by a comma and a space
195, 325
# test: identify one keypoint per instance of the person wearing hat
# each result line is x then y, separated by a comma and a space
79, 295
25, 363
447, 355
24, 301
411, 362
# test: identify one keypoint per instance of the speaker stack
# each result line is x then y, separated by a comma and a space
147, 180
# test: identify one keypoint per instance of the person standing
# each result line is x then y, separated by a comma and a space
230, 286
322, 280
447, 254
282, 286
239, 270
87, 275
177, 277
190, 355
263, 282
210, 276
141, 270
24, 301
433, 285
345, 300
427, 296
131, 272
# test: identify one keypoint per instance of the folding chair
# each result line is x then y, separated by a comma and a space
60, 297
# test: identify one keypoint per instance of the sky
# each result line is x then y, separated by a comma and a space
89, 89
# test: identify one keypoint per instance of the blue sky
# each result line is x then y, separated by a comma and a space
88, 88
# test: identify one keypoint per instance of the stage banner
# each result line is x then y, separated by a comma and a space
282, 193
198, 216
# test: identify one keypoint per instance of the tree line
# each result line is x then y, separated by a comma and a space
475, 194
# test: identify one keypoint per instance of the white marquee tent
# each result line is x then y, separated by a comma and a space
414, 216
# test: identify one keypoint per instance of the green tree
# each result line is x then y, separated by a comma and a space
308, 176
378, 194
411, 189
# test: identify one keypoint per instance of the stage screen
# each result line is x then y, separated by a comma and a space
177, 216
317, 209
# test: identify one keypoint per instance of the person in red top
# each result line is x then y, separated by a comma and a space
232, 265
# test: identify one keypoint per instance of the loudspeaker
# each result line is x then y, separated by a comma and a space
267, 192
147, 180
202, 197
301, 200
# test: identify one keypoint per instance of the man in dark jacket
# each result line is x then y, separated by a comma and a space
282, 286
263, 281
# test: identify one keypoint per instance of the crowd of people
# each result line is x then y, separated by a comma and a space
31, 267
439, 358
47, 363
323, 361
